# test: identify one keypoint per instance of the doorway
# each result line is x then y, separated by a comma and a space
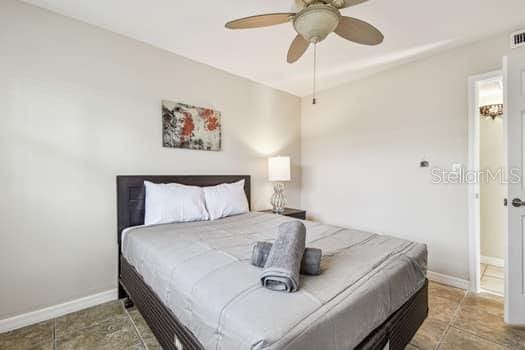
492, 189
487, 194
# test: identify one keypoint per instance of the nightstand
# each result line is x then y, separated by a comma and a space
293, 213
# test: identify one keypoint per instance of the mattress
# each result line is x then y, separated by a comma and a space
202, 272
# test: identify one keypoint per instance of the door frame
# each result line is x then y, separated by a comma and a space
474, 210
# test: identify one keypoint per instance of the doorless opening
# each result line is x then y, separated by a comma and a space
487, 225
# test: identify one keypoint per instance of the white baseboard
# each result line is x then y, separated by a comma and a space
448, 280
51, 312
493, 261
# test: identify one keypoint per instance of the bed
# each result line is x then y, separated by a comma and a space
196, 289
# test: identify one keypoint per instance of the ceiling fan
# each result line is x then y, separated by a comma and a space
314, 21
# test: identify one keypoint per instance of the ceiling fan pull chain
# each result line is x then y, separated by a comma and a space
314, 101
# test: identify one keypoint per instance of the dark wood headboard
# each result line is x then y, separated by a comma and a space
131, 193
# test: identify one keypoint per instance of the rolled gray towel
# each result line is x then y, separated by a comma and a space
281, 271
310, 264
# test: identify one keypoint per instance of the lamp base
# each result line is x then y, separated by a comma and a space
278, 199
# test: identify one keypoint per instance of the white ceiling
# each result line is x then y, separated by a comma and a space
195, 29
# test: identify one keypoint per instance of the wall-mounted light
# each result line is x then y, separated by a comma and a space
491, 111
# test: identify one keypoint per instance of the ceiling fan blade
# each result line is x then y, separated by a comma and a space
260, 20
297, 49
358, 31
349, 3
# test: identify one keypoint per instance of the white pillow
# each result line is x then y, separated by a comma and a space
166, 203
225, 200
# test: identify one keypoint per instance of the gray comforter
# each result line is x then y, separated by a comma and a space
202, 272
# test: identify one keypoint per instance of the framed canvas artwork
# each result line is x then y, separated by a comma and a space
191, 127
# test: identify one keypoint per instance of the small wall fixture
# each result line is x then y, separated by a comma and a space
491, 111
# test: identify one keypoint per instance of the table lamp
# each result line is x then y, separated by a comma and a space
278, 171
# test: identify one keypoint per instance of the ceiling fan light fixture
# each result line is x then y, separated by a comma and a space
315, 22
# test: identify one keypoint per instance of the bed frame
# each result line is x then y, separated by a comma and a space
396, 331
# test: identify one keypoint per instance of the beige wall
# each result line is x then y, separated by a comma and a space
492, 228
80, 105
362, 143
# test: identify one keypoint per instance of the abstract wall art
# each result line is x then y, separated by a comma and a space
191, 127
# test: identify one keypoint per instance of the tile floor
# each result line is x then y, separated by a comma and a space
457, 320
461, 320
107, 326
492, 279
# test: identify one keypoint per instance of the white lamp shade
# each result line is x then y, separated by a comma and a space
279, 169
